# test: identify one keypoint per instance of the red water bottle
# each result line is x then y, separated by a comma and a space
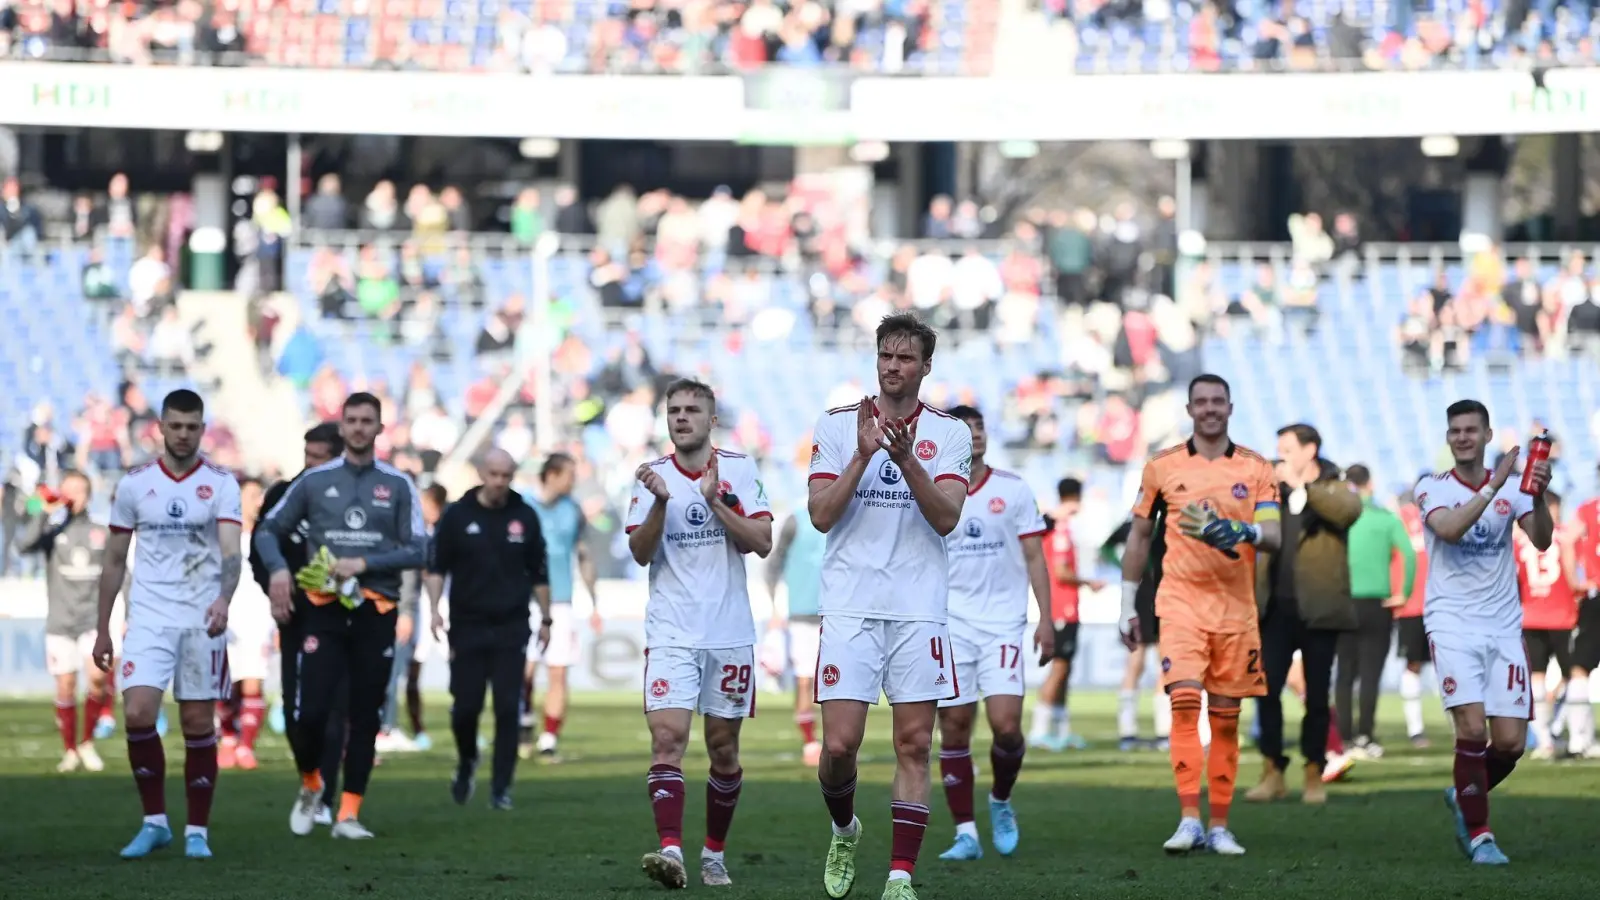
1538, 451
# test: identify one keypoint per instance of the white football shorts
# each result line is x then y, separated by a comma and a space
988, 662
909, 662
68, 654
563, 650
805, 641
192, 662
717, 683
1487, 669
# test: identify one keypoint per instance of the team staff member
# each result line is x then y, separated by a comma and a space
489, 545
74, 548
1304, 589
365, 519
1376, 538
322, 443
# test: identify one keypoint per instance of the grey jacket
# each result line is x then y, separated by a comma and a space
372, 512
74, 549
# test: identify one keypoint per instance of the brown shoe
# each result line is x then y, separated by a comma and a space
1271, 787
1314, 792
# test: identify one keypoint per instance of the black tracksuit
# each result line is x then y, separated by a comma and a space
494, 558
290, 637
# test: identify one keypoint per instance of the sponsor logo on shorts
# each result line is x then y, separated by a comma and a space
309, 645
1240, 491
1448, 686
941, 681
830, 674
1166, 664
1502, 507
659, 688
997, 505
203, 491
127, 668
927, 450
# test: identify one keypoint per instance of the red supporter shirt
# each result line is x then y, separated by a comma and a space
1548, 601
1397, 572
1589, 541
1059, 550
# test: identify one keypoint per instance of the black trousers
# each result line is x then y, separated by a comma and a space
1282, 633
348, 652
481, 659
290, 640
1362, 654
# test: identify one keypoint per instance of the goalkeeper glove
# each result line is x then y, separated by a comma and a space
1204, 525
317, 578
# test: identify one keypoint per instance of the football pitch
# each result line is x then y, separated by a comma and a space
1092, 823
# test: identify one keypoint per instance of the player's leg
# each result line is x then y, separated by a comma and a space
1540, 650
672, 691
202, 678
1462, 664
1318, 649
289, 641
1050, 707
1376, 634
1585, 659
505, 677
99, 701
804, 639
920, 671
1347, 656
560, 656
852, 663
419, 730
727, 696
529, 676
62, 662
1128, 698
321, 666
390, 738
1413, 642
469, 677
1185, 657
1005, 762
1506, 701
1277, 656
1234, 671
370, 664
149, 660
252, 714
95, 708
955, 770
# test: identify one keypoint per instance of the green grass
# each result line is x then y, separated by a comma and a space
1092, 822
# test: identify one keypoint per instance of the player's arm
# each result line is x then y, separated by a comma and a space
441, 556
1538, 524
114, 566
1569, 562
1450, 523
833, 479
780, 552
1038, 573
749, 525
230, 535
258, 566
647, 515
412, 535
279, 523
1334, 502
940, 494
536, 561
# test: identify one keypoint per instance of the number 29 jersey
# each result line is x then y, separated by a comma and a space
883, 559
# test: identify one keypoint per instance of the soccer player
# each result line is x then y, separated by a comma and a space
694, 515
1579, 715
888, 480
249, 631
1474, 615
797, 559
74, 548
562, 520
1144, 643
1052, 729
1547, 580
1227, 500
996, 555
1410, 636
410, 648
187, 516
365, 518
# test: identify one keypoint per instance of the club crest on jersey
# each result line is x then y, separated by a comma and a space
816, 453
696, 514
1240, 491
1502, 507
176, 508
889, 473
1166, 664
127, 668
203, 491
355, 518
724, 487
380, 495
830, 674
1448, 686
926, 450
659, 688
514, 532
973, 529
997, 505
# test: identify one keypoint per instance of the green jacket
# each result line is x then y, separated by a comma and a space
1374, 540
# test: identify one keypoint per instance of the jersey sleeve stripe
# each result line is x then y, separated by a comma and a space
945, 477
760, 515
630, 529
120, 529
1040, 533
822, 476
228, 520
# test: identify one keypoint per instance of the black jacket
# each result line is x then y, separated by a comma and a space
293, 547
494, 559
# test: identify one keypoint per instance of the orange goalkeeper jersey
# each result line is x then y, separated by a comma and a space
1199, 586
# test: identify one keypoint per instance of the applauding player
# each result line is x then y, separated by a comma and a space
996, 554
693, 517
888, 479
1227, 498
1474, 614
186, 513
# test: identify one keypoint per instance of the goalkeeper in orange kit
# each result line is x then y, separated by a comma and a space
1203, 508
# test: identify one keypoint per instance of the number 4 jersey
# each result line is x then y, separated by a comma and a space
699, 598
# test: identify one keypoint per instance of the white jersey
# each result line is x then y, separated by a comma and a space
699, 595
883, 560
988, 574
177, 562
1472, 584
